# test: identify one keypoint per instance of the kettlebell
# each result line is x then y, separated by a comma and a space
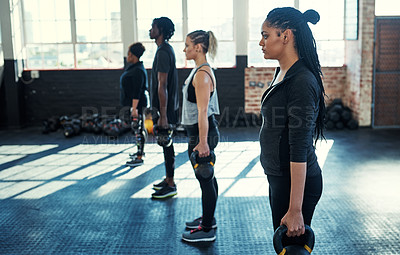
203, 167
163, 135
135, 124
306, 249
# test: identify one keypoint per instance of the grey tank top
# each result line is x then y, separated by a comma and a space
189, 110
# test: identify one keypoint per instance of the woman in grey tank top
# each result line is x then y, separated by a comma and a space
200, 105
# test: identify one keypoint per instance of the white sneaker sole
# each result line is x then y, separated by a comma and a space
207, 239
134, 165
171, 194
157, 188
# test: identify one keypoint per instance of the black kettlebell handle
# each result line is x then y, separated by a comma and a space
195, 158
282, 229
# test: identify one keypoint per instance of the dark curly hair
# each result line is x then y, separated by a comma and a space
137, 49
166, 27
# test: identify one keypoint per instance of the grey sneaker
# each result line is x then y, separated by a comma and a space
160, 185
199, 235
134, 155
165, 192
134, 162
196, 223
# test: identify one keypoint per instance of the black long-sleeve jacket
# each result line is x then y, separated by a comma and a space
133, 85
289, 110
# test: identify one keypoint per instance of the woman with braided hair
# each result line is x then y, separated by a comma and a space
200, 105
293, 110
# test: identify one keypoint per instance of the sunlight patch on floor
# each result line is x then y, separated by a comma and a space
238, 170
45, 190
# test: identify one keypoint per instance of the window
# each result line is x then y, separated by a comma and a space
98, 33
258, 10
208, 16
48, 34
54, 40
387, 8
328, 32
16, 35
70, 34
147, 10
198, 16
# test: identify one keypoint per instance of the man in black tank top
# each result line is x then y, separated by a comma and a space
164, 97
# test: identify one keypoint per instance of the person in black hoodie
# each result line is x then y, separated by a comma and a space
293, 110
133, 88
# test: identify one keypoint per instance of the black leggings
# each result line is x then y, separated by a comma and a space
169, 154
209, 190
279, 197
139, 133
140, 137
169, 160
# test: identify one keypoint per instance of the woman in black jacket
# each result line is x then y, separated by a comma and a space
293, 110
133, 89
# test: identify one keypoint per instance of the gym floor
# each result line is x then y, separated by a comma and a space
75, 196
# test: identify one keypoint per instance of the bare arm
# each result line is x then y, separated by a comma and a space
202, 83
293, 219
134, 112
163, 98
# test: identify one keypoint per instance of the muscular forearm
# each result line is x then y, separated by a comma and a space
134, 103
163, 93
298, 178
163, 98
134, 110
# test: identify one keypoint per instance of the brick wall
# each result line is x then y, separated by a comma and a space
334, 83
259, 76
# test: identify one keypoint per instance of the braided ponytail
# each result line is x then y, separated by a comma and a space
207, 40
212, 44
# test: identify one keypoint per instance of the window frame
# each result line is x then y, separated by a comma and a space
129, 20
273, 63
74, 43
185, 31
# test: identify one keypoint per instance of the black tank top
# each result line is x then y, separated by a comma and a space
191, 89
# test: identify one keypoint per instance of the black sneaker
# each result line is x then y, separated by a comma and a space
135, 162
165, 192
134, 155
196, 223
160, 185
199, 235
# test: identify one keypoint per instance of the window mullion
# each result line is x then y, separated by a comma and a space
128, 21
73, 28
134, 20
240, 23
23, 30
185, 19
296, 4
